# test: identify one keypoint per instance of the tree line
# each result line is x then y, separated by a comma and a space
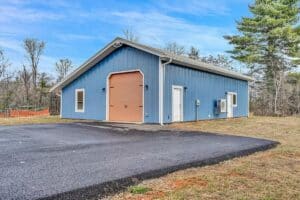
27, 86
268, 45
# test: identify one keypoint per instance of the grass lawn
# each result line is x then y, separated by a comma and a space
273, 174
33, 120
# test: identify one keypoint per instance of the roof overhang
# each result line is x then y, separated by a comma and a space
118, 42
213, 69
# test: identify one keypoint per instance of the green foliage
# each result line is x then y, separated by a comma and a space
139, 189
293, 77
269, 35
269, 44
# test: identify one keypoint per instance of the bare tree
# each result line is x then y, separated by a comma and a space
6, 91
25, 77
44, 81
293, 92
194, 53
130, 35
174, 48
4, 64
34, 49
63, 67
220, 61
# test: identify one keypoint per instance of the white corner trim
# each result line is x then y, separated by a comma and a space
161, 91
61, 100
248, 99
107, 91
83, 105
162, 75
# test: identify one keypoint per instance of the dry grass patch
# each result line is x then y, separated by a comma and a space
270, 175
33, 120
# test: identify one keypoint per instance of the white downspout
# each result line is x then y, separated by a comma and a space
162, 83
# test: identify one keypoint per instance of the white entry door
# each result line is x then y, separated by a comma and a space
229, 105
177, 103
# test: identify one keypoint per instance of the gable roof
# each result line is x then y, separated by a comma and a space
164, 55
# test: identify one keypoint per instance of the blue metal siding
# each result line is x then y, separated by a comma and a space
93, 80
205, 86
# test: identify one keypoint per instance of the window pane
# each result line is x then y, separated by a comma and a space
234, 99
80, 100
79, 96
80, 105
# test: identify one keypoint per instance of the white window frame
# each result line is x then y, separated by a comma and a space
76, 100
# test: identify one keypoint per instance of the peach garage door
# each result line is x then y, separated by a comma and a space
126, 97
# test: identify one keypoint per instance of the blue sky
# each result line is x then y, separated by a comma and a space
78, 29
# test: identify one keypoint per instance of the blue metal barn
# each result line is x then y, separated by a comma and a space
130, 82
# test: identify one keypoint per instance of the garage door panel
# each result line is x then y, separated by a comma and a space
126, 97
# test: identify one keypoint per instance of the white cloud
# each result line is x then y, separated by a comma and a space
155, 25
195, 7
26, 15
70, 36
158, 29
15, 52
11, 44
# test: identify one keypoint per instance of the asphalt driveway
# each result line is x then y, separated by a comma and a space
38, 161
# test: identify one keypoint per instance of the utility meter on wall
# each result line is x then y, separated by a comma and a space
197, 102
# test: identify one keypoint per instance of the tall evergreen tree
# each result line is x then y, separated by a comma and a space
268, 42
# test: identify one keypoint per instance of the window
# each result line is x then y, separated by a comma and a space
79, 100
234, 99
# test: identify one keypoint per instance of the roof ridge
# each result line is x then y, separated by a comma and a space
176, 59
184, 57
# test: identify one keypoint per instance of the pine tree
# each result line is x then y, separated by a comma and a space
268, 41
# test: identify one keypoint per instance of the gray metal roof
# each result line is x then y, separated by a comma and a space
164, 55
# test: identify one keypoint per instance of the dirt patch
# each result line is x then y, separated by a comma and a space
187, 182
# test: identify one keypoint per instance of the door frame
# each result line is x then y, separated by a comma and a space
181, 111
232, 106
107, 92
